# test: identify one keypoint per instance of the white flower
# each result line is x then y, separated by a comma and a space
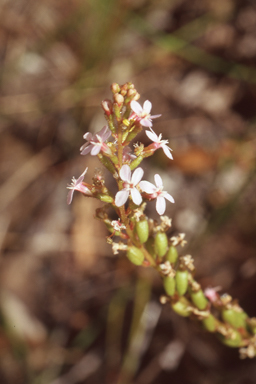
142, 114
96, 142
156, 192
129, 186
158, 143
77, 185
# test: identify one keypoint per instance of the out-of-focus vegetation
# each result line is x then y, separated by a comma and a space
71, 312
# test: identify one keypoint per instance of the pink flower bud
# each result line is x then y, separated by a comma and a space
107, 107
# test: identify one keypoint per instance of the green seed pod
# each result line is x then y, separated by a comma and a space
234, 318
142, 230
107, 163
199, 299
135, 255
181, 307
106, 198
181, 282
209, 323
150, 247
169, 285
161, 244
234, 342
172, 255
136, 162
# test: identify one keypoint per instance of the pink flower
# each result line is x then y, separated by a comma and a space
156, 192
96, 142
77, 185
158, 143
129, 183
211, 293
142, 114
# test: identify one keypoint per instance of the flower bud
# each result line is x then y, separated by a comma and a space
135, 255
106, 198
234, 318
107, 107
181, 307
169, 285
115, 88
172, 255
234, 341
142, 230
123, 89
161, 244
119, 99
181, 282
209, 323
199, 299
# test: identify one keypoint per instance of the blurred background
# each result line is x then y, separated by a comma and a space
70, 311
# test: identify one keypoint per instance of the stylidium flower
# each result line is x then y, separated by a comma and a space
142, 114
129, 186
158, 143
156, 192
77, 185
96, 143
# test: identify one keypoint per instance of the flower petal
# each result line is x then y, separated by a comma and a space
146, 122
155, 116
70, 196
137, 175
147, 187
152, 136
95, 150
147, 106
136, 196
136, 107
85, 149
167, 151
160, 205
121, 197
104, 133
167, 196
158, 180
125, 173
81, 178
87, 136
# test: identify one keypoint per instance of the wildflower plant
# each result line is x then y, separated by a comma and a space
145, 241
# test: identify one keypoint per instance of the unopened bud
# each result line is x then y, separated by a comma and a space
115, 88
118, 99
131, 92
106, 198
123, 89
135, 255
107, 107
161, 244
